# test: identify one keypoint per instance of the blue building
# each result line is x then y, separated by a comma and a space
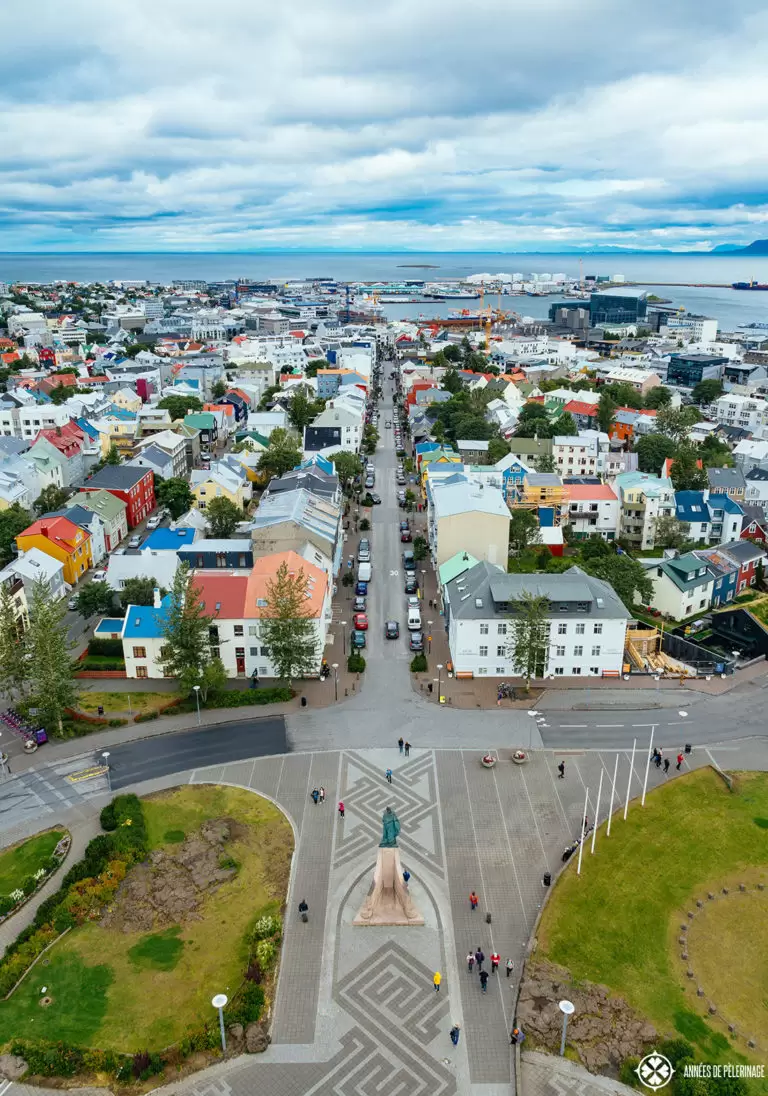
168, 540
210, 554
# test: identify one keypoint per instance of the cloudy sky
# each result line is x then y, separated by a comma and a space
420, 124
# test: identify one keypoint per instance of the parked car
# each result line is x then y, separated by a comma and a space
134, 542
401, 480
416, 641
72, 603
376, 499
409, 560
361, 589
411, 584
358, 639
405, 536
369, 481
404, 524
413, 601
391, 630
358, 605
153, 522
99, 576
361, 622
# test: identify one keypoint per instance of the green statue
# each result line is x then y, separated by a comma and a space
390, 829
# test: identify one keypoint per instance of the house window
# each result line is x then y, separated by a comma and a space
560, 652
562, 629
501, 651
166, 651
576, 671
265, 652
559, 671
483, 652
596, 651
221, 559
139, 652
239, 630
594, 670
483, 670
598, 629
502, 629
578, 652
500, 670
253, 629
580, 629
483, 629
254, 652
141, 671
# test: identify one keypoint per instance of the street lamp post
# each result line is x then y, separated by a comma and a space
105, 755
439, 680
344, 637
197, 698
218, 1002
423, 581
567, 1010
429, 637
335, 668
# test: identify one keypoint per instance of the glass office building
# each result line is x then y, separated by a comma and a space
613, 308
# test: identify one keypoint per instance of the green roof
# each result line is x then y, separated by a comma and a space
203, 420
103, 503
679, 568
456, 566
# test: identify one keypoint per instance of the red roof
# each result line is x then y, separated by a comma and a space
11, 356
68, 439
222, 596
590, 491
61, 531
576, 407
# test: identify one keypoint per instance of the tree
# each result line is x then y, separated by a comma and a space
347, 466
529, 645
268, 396
14, 661
668, 532
139, 591
52, 688
51, 498
95, 597
281, 455
410, 499
657, 397
287, 625
623, 394
175, 494
628, 578
606, 409
370, 439
302, 409
178, 406
223, 517
498, 448
523, 530
186, 630
533, 421
219, 389
686, 473
14, 520
113, 455
452, 382
311, 368
452, 352
593, 547
136, 348
652, 450
675, 423
546, 463
566, 425
707, 391
715, 453
419, 548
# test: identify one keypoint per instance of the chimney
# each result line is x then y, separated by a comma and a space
44, 530
156, 600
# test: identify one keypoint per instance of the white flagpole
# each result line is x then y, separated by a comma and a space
583, 827
629, 782
597, 812
647, 766
613, 793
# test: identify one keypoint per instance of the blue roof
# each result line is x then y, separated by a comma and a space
144, 621
725, 503
86, 427
120, 413
690, 506
168, 540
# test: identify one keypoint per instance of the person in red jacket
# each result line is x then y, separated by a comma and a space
341, 808
495, 960
473, 900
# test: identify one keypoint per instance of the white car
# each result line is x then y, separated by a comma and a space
99, 576
413, 602
153, 522
134, 542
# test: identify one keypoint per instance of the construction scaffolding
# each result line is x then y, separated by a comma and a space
643, 647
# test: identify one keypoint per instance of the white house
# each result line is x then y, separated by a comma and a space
593, 508
682, 586
587, 623
748, 412
463, 516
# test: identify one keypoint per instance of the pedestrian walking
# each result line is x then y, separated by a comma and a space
322, 794
437, 979
315, 796
561, 771
473, 900
400, 743
407, 749
484, 980
388, 775
516, 1036
666, 765
455, 1034
470, 962
679, 762
658, 759
406, 877
495, 960
479, 958
510, 967
341, 808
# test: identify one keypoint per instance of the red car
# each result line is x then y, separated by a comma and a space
361, 622
405, 536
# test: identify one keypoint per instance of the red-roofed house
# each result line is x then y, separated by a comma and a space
63, 540
585, 414
61, 380
65, 445
592, 508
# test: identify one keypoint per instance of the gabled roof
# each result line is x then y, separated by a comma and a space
725, 477
103, 503
144, 621
60, 531
116, 477
691, 507
679, 569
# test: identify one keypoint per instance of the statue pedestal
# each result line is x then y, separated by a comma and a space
388, 901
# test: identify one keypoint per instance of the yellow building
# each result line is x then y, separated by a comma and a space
64, 541
219, 484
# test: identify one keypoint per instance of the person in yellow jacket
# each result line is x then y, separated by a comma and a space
437, 980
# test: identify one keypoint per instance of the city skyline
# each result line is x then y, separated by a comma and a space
169, 127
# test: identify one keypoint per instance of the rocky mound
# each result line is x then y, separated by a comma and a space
167, 889
603, 1029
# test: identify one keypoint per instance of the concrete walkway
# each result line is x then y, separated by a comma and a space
545, 1075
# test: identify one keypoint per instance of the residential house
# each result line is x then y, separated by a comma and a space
211, 554
727, 481
756, 489
122, 428
682, 587
324, 440
644, 499
584, 414
577, 456
727, 517
642, 380
530, 450
750, 454
755, 524
144, 638
37, 566
473, 452
748, 412
89, 521
135, 486
349, 420
139, 563
725, 574
174, 445
264, 422
205, 423
464, 517
587, 623
112, 511
287, 521
593, 509
169, 539
63, 540
749, 556
127, 400
219, 482
64, 444
317, 476
160, 462
240, 403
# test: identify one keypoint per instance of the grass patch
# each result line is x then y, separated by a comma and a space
158, 950
78, 989
118, 702
20, 861
618, 923
173, 837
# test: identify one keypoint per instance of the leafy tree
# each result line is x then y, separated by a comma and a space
419, 548
282, 453
566, 425
546, 463
760, 575
652, 450
186, 630
14, 661
223, 517
302, 409
707, 391
675, 423
628, 578
268, 396
95, 597
347, 466
533, 421
593, 547
657, 397
498, 448
219, 389
606, 409
139, 591
14, 520
410, 499
176, 494
715, 453
623, 394
136, 348
113, 455
51, 498
452, 382
668, 532
370, 439
52, 688
686, 475
178, 406
452, 352
523, 530
311, 368
287, 625
529, 645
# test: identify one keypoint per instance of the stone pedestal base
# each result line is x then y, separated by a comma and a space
388, 901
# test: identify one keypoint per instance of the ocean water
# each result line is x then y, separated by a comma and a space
731, 307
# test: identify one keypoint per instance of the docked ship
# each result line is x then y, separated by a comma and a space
749, 285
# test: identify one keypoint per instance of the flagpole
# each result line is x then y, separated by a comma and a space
647, 766
597, 812
613, 793
583, 827
629, 782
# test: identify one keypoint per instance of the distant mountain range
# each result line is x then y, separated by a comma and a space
757, 247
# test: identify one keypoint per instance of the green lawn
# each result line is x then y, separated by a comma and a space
618, 923
132, 991
118, 702
20, 861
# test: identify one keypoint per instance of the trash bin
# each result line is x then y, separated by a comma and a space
547, 878
100, 709
303, 702
687, 747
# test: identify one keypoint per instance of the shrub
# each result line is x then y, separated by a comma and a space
266, 953
248, 1004
100, 662
145, 717
627, 1073
111, 648
419, 664
49, 1059
364, 525
107, 817
6, 905
30, 885
269, 925
63, 919
254, 973
116, 722
348, 579
355, 663
675, 1050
